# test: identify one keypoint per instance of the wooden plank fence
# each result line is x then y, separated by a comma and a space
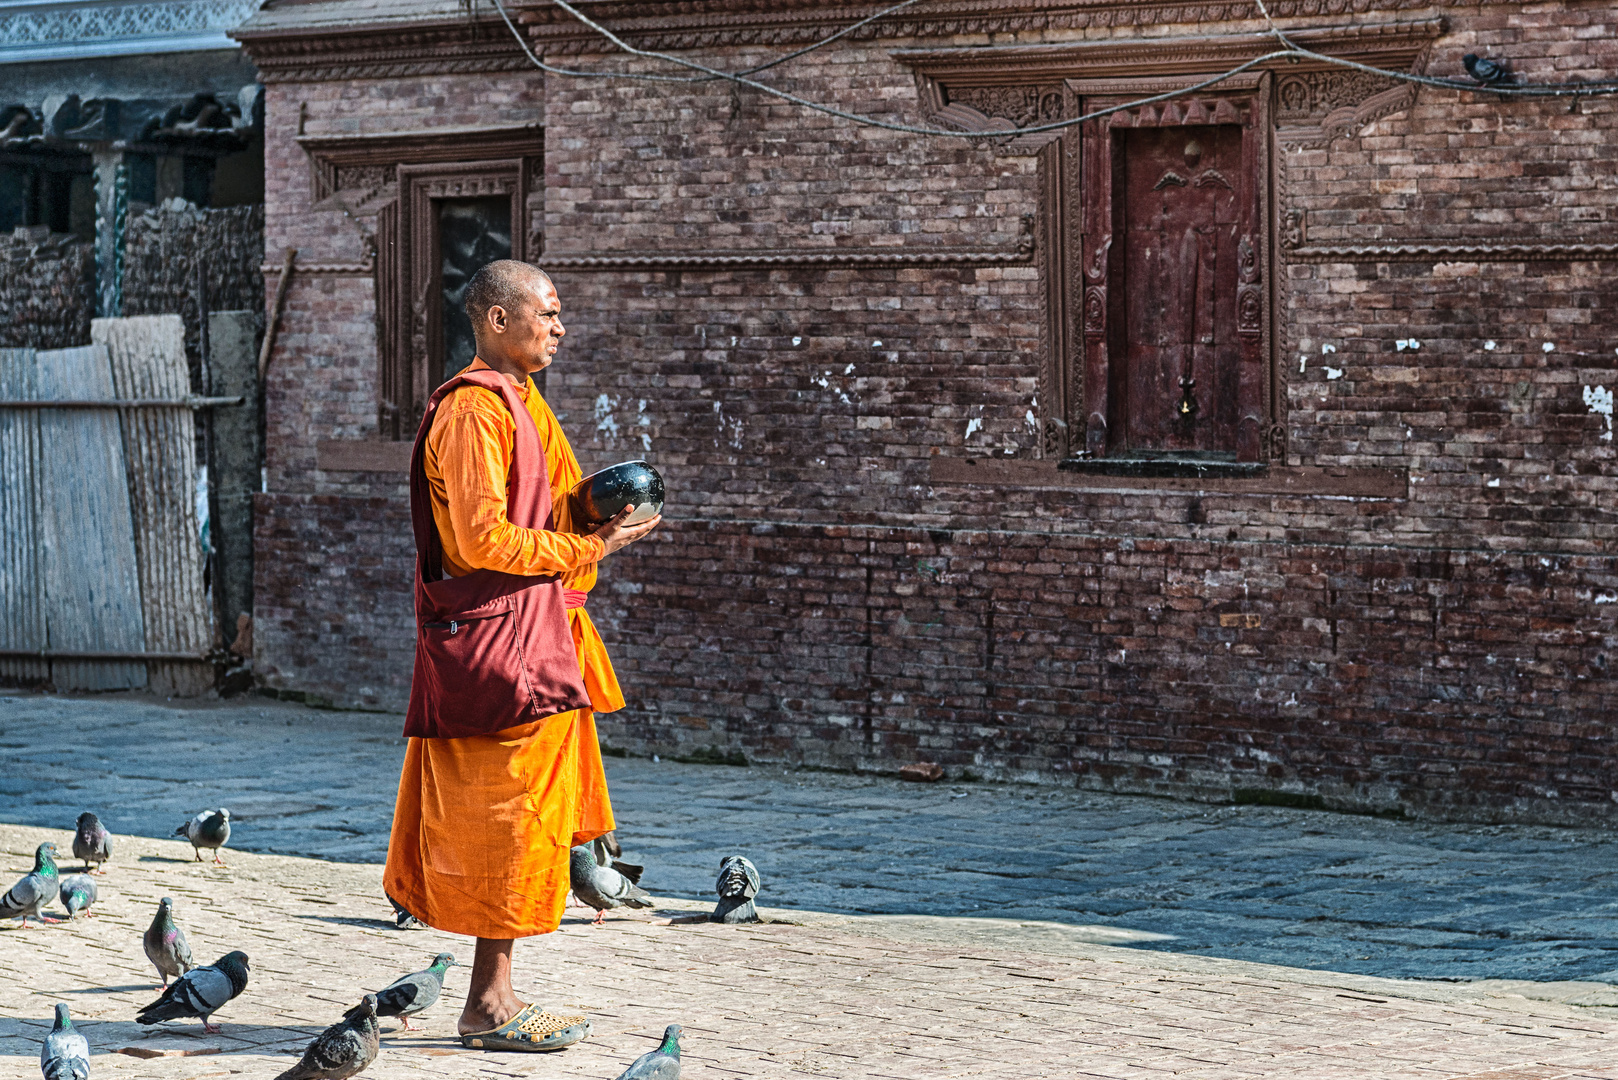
101, 563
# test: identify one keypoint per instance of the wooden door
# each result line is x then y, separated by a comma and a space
1178, 216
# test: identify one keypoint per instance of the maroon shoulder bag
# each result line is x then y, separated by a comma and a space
493, 650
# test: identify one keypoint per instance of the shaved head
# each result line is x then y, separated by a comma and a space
504, 283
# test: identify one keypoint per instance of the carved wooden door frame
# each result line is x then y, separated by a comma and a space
1089, 159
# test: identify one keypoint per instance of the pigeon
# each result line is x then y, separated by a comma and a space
165, 944
66, 1053
199, 992
660, 1064
608, 853
341, 1050
410, 994
77, 894
1486, 71
92, 842
403, 918
737, 885
602, 887
34, 891
209, 829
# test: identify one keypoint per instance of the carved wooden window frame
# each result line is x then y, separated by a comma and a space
395, 176
993, 88
1243, 101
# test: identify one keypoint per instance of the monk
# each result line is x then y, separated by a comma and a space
484, 824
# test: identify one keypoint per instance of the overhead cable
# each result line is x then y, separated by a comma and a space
1289, 50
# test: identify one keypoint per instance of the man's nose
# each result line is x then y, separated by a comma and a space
557, 328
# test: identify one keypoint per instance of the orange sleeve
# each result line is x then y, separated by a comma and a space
475, 463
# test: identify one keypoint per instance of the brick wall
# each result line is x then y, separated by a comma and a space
817, 596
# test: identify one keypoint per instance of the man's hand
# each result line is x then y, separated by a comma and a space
615, 534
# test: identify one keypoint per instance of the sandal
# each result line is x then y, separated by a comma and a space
534, 1028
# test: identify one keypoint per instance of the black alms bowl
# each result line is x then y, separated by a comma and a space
600, 495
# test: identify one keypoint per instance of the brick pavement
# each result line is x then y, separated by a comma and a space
823, 995
1268, 884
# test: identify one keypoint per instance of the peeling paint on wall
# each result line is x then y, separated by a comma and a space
1334, 373
1599, 401
606, 422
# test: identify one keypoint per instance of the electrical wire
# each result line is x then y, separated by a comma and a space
1290, 50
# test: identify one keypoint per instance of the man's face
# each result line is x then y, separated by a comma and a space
530, 334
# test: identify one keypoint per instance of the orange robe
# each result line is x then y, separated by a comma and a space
483, 826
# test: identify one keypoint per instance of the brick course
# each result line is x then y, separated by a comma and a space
815, 596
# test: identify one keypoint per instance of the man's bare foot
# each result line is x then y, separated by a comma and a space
486, 1014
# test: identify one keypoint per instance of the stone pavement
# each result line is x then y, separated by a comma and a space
839, 996
1291, 887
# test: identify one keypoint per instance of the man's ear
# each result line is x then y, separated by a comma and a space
495, 319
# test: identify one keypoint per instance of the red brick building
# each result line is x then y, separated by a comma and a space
1258, 440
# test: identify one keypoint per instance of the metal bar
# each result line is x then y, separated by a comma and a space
190, 401
68, 654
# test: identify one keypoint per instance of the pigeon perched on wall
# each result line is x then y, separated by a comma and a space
660, 1064
410, 994
608, 853
35, 890
199, 992
341, 1050
602, 887
165, 944
91, 842
1486, 71
77, 893
209, 829
66, 1053
737, 885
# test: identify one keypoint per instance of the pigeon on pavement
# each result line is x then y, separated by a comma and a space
403, 918
341, 1050
660, 1064
609, 853
410, 994
91, 842
77, 894
34, 891
1486, 71
737, 885
199, 992
66, 1053
209, 829
602, 887
165, 944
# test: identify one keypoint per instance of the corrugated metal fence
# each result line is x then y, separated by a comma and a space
101, 562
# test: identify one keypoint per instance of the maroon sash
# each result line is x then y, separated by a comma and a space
493, 650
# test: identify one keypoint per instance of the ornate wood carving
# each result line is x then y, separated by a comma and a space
695, 24
1431, 250
1053, 371
362, 167
286, 49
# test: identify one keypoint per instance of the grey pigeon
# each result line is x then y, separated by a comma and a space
403, 918
200, 992
660, 1064
77, 894
410, 994
737, 885
602, 887
1486, 71
66, 1053
165, 944
341, 1050
610, 853
209, 829
34, 891
92, 842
